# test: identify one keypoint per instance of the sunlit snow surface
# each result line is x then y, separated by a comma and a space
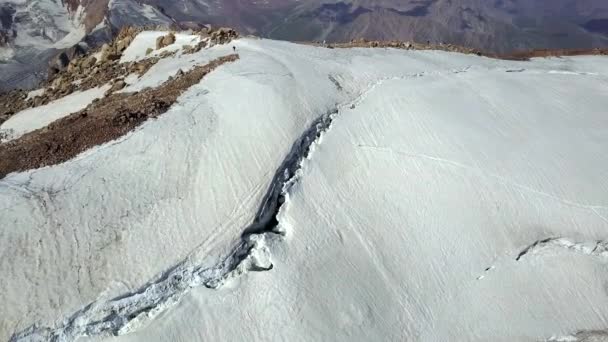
453, 198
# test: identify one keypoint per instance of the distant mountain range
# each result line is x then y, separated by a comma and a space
32, 31
491, 25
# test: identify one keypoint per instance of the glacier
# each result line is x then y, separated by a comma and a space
428, 196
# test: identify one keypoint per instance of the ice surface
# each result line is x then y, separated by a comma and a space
34, 118
406, 222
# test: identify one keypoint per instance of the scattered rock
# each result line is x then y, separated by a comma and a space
87, 63
62, 60
73, 71
6, 134
159, 42
105, 47
404, 45
122, 45
166, 54
188, 49
116, 86
104, 120
112, 55
149, 51
11, 103
166, 40
223, 35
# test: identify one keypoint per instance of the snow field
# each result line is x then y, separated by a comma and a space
405, 223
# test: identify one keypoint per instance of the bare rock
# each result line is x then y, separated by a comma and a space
188, 49
122, 45
89, 62
108, 53
166, 54
159, 42
166, 40
116, 86
169, 39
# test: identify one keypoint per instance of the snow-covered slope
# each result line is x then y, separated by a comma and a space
419, 195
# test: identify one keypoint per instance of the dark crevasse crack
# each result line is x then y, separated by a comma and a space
131, 310
266, 217
596, 248
582, 336
532, 247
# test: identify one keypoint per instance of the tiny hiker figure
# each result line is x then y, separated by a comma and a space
234, 48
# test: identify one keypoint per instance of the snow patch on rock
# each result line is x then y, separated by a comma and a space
35, 118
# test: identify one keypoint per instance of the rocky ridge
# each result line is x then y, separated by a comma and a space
102, 121
519, 55
76, 70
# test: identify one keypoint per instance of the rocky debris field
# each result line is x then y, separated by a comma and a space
165, 40
13, 102
102, 121
75, 70
396, 44
80, 73
84, 75
526, 55
210, 37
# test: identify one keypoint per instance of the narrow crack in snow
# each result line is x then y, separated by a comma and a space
582, 336
132, 310
129, 311
598, 249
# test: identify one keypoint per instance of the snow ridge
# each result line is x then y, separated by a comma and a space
127, 312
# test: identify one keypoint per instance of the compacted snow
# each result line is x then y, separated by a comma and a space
427, 196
